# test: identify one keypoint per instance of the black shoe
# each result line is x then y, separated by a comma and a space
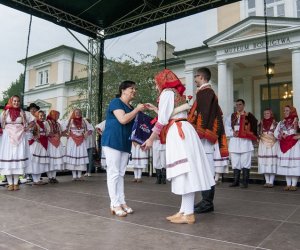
234, 185
202, 210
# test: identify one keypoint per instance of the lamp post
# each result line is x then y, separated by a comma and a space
269, 66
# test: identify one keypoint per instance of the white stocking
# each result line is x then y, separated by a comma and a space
9, 179
74, 174
288, 180
188, 203
267, 177
16, 179
272, 178
294, 181
135, 170
217, 177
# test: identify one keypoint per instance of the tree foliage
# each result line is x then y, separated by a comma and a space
15, 88
141, 70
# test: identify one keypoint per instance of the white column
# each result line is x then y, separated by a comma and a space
296, 78
230, 88
223, 89
190, 83
248, 93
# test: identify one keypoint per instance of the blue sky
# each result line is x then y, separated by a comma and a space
183, 34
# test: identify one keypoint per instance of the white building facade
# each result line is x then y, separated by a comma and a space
237, 54
49, 77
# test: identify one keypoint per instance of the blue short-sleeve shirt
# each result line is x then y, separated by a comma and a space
116, 135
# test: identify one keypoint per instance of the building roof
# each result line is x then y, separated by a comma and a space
53, 50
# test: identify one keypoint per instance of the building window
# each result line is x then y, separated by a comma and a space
252, 13
270, 11
275, 8
251, 8
280, 10
43, 77
251, 4
281, 95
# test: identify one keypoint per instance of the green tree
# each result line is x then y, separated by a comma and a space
141, 70
15, 88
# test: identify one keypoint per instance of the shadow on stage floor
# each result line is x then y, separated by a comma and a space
75, 215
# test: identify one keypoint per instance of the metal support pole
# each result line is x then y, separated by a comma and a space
101, 79
267, 53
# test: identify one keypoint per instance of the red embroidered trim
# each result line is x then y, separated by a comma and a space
171, 165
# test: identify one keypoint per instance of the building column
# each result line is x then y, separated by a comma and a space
296, 77
190, 83
225, 88
248, 95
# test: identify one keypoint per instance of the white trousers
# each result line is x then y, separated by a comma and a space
116, 162
241, 160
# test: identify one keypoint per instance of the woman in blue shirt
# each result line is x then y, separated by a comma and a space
117, 145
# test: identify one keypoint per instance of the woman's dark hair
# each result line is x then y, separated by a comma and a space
124, 85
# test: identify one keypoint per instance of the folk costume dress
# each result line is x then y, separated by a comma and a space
267, 150
38, 149
76, 156
55, 148
14, 147
187, 164
289, 149
139, 160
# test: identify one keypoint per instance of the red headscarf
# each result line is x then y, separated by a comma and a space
53, 115
288, 121
13, 112
167, 79
267, 123
77, 121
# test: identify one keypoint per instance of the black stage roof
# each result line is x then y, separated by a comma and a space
112, 18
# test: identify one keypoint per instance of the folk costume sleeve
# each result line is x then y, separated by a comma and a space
209, 121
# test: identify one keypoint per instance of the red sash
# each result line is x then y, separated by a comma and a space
245, 129
287, 143
78, 139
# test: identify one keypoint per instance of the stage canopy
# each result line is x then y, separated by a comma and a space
112, 18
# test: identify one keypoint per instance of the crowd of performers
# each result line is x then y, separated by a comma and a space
191, 145
31, 143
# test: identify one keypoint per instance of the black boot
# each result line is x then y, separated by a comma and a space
158, 176
163, 176
246, 173
206, 205
236, 176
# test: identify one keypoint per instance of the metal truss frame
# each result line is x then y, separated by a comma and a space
149, 13
60, 15
140, 17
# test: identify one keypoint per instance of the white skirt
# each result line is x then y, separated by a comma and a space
39, 160
76, 157
139, 157
187, 164
267, 158
289, 162
220, 163
56, 157
13, 159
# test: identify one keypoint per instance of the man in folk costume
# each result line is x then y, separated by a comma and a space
187, 166
242, 130
206, 117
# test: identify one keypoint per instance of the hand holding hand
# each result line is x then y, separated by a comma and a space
147, 145
140, 107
